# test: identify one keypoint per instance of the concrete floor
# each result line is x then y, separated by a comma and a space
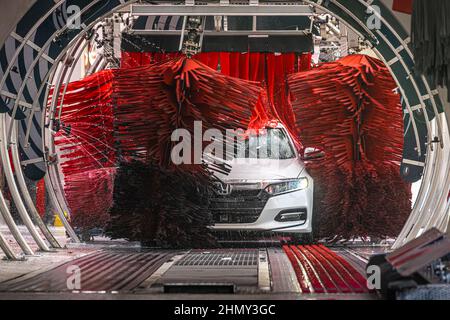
41, 261
192, 297
45, 261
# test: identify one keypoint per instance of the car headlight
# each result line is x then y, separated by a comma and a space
287, 186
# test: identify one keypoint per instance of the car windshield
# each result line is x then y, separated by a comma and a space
266, 144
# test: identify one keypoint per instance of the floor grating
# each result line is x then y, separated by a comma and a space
108, 271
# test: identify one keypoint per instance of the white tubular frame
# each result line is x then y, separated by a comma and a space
6, 161
432, 208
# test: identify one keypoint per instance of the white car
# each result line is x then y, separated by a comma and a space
269, 192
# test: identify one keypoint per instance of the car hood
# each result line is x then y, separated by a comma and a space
257, 170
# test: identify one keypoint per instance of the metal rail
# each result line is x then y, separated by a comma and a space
221, 10
4, 210
32, 211
249, 33
13, 186
4, 245
53, 179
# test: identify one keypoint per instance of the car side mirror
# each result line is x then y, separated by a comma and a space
312, 153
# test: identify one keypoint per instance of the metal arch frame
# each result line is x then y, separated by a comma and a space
52, 178
14, 231
436, 158
5, 142
434, 181
36, 60
3, 208
53, 195
34, 215
27, 38
6, 248
16, 158
408, 51
13, 186
436, 219
56, 197
8, 172
418, 218
432, 211
59, 203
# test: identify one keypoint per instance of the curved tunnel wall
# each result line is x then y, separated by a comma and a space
38, 43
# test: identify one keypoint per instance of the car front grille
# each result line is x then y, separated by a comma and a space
240, 206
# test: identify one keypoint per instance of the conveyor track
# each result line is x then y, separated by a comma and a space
321, 270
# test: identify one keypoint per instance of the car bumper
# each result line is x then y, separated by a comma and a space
302, 199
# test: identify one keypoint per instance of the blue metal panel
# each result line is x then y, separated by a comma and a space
27, 55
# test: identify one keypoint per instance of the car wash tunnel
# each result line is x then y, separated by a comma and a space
224, 149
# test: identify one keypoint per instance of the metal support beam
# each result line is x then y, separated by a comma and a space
28, 201
60, 211
26, 39
249, 33
12, 96
32, 45
4, 154
52, 178
4, 245
6, 214
221, 10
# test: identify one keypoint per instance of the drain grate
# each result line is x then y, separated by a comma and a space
220, 258
200, 288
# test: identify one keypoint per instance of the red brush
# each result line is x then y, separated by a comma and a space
90, 196
349, 109
86, 138
269, 70
154, 100
86, 146
341, 107
150, 102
